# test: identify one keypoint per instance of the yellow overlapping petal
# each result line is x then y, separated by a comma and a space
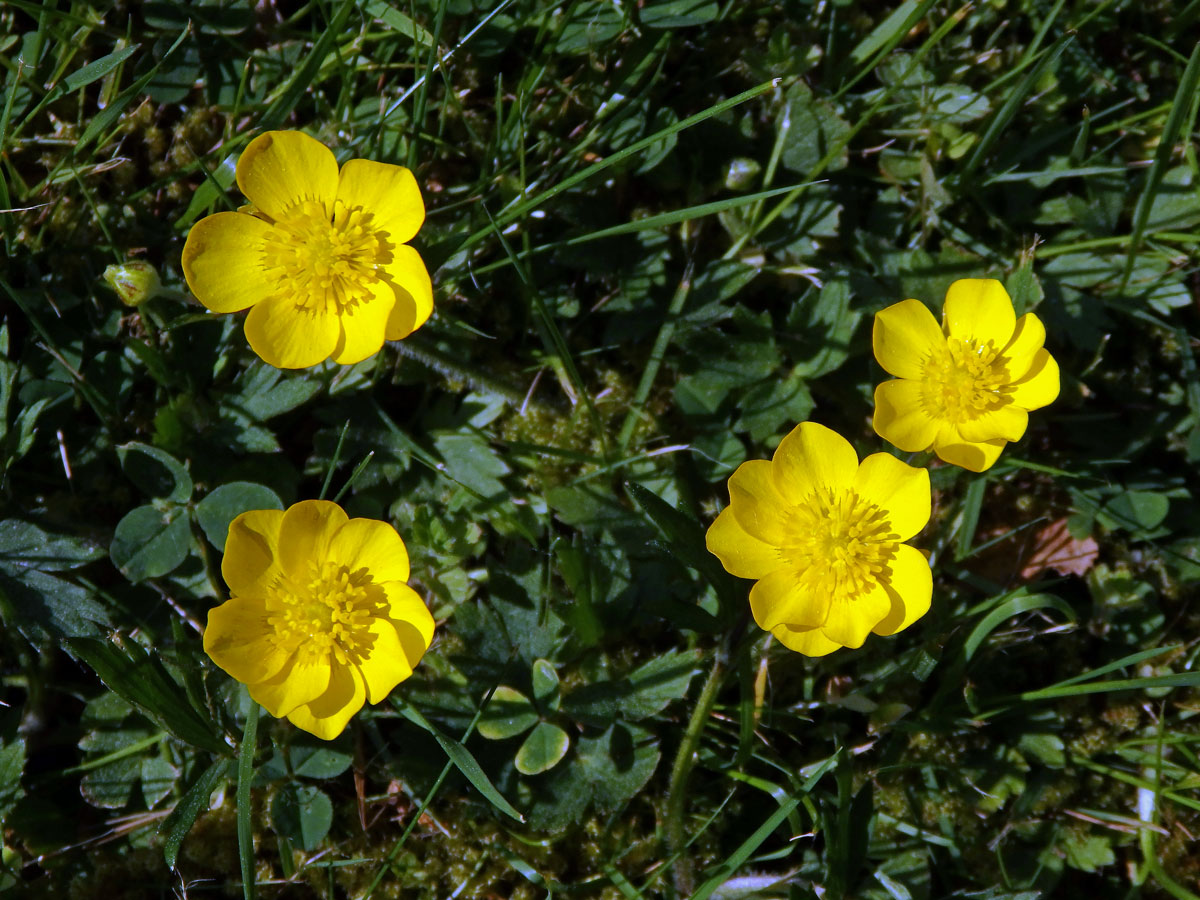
239, 640
740, 553
249, 566
389, 193
373, 545
979, 309
910, 589
223, 262
409, 278
904, 336
780, 599
901, 417
289, 337
812, 458
899, 490
326, 716
281, 169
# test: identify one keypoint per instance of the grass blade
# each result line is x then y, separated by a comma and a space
245, 821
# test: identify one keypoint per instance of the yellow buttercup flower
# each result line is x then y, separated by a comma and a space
823, 537
320, 257
319, 618
965, 388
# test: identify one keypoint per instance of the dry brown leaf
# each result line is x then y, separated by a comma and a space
1055, 548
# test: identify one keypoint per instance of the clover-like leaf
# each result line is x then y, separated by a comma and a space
508, 714
542, 750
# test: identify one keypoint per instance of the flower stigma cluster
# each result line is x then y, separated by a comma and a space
965, 388
319, 256
320, 619
823, 537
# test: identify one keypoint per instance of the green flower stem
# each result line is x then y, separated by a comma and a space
685, 758
245, 824
429, 355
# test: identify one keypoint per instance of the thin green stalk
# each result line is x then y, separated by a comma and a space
422, 351
657, 353
681, 769
245, 823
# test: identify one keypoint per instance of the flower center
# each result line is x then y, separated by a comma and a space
327, 612
324, 264
840, 544
964, 382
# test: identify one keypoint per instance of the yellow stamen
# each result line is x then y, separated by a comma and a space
328, 612
325, 264
839, 544
963, 382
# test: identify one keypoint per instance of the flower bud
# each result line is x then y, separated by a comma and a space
135, 282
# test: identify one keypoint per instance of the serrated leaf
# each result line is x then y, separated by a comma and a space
141, 679
155, 471
685, 537
183, 816
45, 606
216, 511
302, 814
150, 542
542, 750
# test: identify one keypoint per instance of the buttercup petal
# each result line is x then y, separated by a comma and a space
901, 418
406, 608
363, 324
1025, 346
222, 262
327, 715
904, 336
910, 589
779, 599
299, 682
239, 640
304, 537
812, 457
974, 457
850, 621
386, 665
373, 545
1040, 385
289, 337
979, 309
249, 566
279, 169
389, 193
900, 490
809, 641
740, 553
409, 279
1007, 422
757, 505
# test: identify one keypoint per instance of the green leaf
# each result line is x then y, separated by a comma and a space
216, 511
183, 816
41, 606
813, 127
542, 750
140, 678
158, 778
463, 760
109, 786
470, 461
508, 713
545, 684
1135, 510
1013, 606
12, 766
150, 542
324, 760
647, 690
1087, 852
678, 13
25, 546
302, 814
398, 22
685, 538
155, 471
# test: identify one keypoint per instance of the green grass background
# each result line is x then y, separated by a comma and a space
658, 233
